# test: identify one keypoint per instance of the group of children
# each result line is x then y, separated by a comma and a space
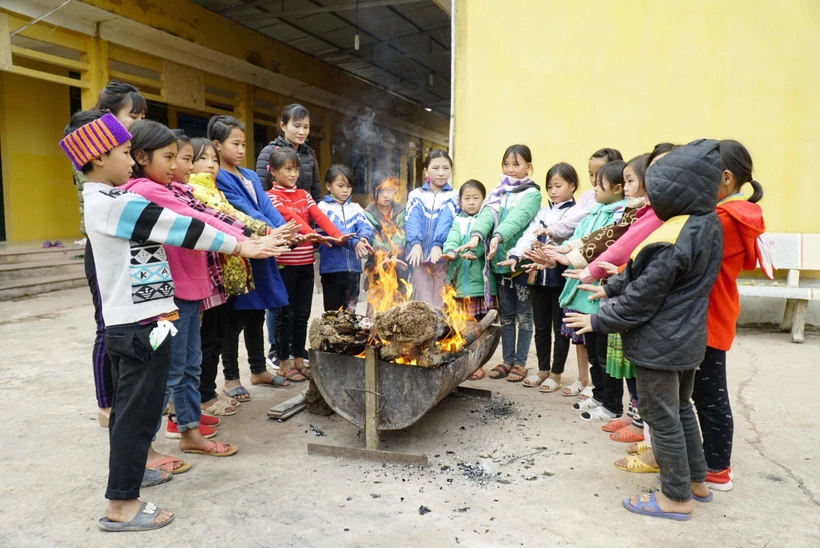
180, 262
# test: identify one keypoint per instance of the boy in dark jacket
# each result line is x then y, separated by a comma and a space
661, 315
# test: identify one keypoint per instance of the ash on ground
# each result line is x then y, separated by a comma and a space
477, 473
499, 408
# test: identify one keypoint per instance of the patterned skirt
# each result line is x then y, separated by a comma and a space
569, 332
617, 366
476, 307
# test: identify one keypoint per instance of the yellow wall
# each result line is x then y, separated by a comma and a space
40, 199
567, 78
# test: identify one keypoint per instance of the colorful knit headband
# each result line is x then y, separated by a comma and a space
94, 139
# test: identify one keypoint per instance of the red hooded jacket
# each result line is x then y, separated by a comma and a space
742, 224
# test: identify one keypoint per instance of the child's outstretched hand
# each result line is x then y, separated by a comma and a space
415, 256
287, 231
509, 262
609, 268
318, 239
559, 258
542, 232
582, 323
598, 291
540, 257
494, 241
435, 254
262, 248
472, 244
469, 256
363, 248
574, 273
343, 239
394, 261
449, 256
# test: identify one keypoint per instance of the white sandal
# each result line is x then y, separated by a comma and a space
574, 389
549, 385
219, 408
585, 405
587, 392
532, 381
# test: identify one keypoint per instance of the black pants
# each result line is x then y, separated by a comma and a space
340, 289
140, 375
292, 320
711, 395
214, 326
608, 390
666, 406
103, 384
546, 315
632, 387
252, 322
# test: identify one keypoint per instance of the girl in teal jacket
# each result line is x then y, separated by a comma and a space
504, 217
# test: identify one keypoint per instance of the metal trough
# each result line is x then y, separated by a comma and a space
405, 392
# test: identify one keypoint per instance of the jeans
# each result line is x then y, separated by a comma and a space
252, 323
270, 326
428, 282
632, 387
292, 320
341, 289
711, 395
546, 314
212, 331
101, 363
666, 407
186, 366
514, 305
139, 376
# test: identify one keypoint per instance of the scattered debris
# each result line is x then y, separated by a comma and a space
548, 474
462, 510
499, 408
477, 473
375, 496
316, 431
424, 510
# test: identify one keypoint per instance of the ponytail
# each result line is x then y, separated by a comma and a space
757, 192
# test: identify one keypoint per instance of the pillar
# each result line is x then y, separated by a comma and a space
97, 75
245, 115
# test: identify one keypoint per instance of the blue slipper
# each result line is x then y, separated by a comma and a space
648, 506
238, 391
143, 521
707, 498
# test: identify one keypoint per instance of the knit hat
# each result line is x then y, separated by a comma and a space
94, 139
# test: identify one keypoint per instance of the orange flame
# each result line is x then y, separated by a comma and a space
458, 318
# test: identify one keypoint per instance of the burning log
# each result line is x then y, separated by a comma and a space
341, 332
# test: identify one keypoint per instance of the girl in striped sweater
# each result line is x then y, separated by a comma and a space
296, 266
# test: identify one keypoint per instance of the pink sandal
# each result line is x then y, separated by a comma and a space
222, 449
167, 464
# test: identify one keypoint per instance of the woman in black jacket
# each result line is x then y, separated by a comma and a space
661, 315
294, 128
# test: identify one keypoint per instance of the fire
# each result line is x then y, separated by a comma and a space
457, 317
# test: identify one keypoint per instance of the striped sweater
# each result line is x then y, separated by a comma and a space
296, 204
127, 232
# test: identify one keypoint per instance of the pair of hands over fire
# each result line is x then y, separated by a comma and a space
279, 240
416, 255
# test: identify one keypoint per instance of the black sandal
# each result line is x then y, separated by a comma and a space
502, 369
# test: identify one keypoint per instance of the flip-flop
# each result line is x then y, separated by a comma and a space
152, 477
708, 498
648, 506
519, 371
533, 381
143, 521
477, 375
637, 466
625, 435
222, 449
167, 464
236, 392
641, 448
220, 408
549, 386
292, 372
278, 381
502, 370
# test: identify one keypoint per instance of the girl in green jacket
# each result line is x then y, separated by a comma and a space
504, 217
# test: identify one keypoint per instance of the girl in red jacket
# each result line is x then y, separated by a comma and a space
296, 266
742, 221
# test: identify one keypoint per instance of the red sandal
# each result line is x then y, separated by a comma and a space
625, 435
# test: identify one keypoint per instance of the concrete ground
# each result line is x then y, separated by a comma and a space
558, 485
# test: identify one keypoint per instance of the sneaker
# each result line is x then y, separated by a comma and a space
597, 414
720, 481
586, 404
208, 420
272, 363
172, 432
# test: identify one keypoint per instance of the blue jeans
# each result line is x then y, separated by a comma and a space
514, 305
186, 366
270, 322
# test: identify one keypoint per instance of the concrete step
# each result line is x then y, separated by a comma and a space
38, 269
17, 255
34, 286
